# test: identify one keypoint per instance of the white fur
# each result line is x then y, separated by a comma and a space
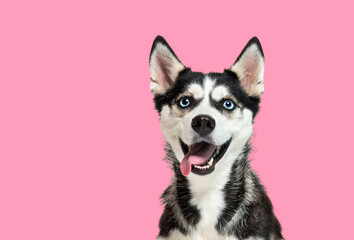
220, 134
249, 187
177, 235
219, 93
196, 91
171, 125
206, 190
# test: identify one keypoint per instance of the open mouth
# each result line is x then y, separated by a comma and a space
201, 158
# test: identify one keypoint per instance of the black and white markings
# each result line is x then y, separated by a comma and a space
228, 203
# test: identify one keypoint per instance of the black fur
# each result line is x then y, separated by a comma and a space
258, 218
227, 78
177, 198
186, 77
231, 81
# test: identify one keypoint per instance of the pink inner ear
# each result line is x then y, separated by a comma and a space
251, 68
246, 83
160, 77
251, 73
163, 71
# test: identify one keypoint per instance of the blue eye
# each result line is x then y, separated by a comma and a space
184, 102
228, 104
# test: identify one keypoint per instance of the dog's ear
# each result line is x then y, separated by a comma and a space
249, 68
164, 66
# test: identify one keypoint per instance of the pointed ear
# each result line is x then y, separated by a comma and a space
164, 66
249, 68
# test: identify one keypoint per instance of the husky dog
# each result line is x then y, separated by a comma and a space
207, 121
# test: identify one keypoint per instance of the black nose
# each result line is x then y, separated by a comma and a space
203, 124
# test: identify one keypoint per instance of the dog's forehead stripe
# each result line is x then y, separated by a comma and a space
208, 87
208, 84
219, 93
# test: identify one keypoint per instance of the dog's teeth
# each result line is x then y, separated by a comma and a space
207, 166
211, 162
202, 167
216, 152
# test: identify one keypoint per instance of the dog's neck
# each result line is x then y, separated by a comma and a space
217, 192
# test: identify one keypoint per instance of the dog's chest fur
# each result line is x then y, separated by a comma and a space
208, 196
229, 204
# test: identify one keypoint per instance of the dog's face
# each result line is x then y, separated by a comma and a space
206, 117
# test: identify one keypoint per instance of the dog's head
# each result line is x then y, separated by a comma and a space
206, 117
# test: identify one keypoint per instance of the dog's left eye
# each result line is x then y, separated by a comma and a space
228, 104
184, 102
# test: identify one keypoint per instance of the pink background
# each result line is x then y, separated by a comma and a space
80, 142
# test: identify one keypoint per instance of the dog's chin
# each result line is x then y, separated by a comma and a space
209, 165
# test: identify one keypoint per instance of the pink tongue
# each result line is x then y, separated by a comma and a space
198, 154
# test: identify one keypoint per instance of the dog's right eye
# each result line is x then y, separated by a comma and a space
184, 102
